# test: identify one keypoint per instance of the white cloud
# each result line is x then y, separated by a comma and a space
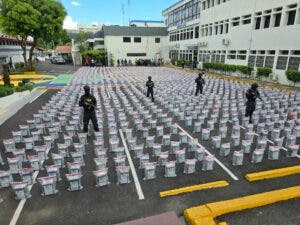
69, 23
75, 3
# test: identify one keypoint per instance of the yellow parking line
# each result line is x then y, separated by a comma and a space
269, 174
199, 187
205, 214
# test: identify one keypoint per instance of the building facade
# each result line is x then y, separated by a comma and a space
131, 43
242, 32
10, 49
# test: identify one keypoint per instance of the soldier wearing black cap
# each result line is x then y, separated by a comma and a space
199, 82
150, 86
252, 94
88, 102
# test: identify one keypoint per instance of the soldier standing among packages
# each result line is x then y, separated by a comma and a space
88, 102
252, 94
200, 82
150, 86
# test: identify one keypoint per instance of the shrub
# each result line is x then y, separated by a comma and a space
20, 89
29, 86
19, 65
293, 75
173, 61
245, 69
29, 69
264, 71
6, 90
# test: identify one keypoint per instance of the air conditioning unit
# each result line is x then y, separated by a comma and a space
177, 46
203, 44
225, 41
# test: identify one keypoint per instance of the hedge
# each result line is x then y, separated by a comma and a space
293, 75
263, 71
178, 62
228, 67
19, 65
6, 90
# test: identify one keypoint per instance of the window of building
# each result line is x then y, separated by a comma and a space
157, 40
197, 32
216, 30
126, 39
192, 34
291, 17
247, 19
226, 28
295, 52
236, 23
137, 39
136, 54
267, 21
221, 29
283, 52
277, 20
271, 52
257, 23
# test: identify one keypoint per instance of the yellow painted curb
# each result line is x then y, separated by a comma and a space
205, 214
223, 223
269, 174
199, 187
30, 73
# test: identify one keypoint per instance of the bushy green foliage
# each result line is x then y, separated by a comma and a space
19, 65
264, 71
173, 61
6, 90
98, 55
227, 67
29, 86
293, 75
41, 20
20, 89
29, 69
247, 70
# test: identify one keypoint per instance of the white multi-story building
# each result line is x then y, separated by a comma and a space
243, 32
183, 22
131, 43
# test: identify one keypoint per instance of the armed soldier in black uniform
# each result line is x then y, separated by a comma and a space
150, 86
252, 94
199, 82
89, 103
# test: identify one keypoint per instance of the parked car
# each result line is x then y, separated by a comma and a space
58, 60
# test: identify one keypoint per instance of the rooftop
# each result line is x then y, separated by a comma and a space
134, 31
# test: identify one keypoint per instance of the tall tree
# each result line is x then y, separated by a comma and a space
40, 19
80, 40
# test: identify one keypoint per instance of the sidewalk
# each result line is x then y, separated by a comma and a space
281, 87
11, 104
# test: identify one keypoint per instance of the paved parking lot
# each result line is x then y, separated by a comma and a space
121, 95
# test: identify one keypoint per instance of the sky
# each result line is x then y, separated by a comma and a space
110, 11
